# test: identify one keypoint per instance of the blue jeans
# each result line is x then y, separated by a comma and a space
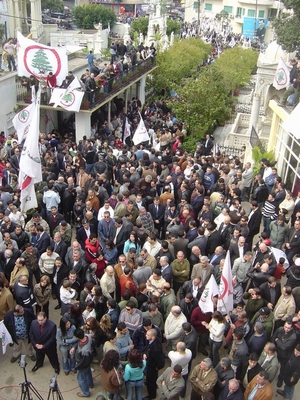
68, 361
266, 224
288, 392
138, 385
214, 351
85, 380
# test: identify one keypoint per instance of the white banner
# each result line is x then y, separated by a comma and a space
225, 298
127, 131
69, 100
22, 121
5, 336
206, 302
282, 76
141, 134
38, 59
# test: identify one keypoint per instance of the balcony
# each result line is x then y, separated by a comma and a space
105, 91
267, 3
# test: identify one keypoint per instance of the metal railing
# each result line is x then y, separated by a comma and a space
105, 88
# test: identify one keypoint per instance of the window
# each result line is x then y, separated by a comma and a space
208, 7
251, 13
239, 12
228, 9
261, 14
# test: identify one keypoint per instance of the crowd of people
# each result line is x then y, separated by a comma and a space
125, 239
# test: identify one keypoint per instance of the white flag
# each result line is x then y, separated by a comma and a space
36, 59
30, 161
206, 302
69, 100
5, 336
225, 298
282, 76
292, 123
127, 130
28, 196
22, 121
141, 134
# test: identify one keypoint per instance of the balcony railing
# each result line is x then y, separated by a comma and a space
106, 89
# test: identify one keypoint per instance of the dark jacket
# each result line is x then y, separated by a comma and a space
155, 356
139, 338
46, 338
292, 370
10, 323
285, 343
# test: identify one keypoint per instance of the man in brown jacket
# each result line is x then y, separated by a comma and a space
203, 379
259, 388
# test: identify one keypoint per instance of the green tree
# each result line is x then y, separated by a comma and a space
140, 24
86, 16
287, 26
236, 66
203, 102
173, 26
179, 63
40, 61
53, 5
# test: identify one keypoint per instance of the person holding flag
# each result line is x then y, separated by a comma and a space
293, 89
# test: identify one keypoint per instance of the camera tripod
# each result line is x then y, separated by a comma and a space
28, 388
29, 392
54, 389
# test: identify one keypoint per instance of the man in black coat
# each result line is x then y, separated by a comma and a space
119, 235
291, 374
214, 239
43, 240
18, 322
60, 247
254, 220
155, 361
238, 250
84, 231
292, 244
270, 292
157, 212
61, 272
43, 338
139, 337
231, 391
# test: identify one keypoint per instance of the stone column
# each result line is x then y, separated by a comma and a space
254, 111
82, 125
11, 19
142, 89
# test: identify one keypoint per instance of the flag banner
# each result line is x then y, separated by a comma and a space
127, 130
21, 121
206, 302
28, 196
225, 298
5, 337
280, 254
30, 161
69, 100
141, 134
282, 76
49, 124
38, 59
292, 123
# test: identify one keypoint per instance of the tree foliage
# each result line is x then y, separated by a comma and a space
236, 66
178, 63
52, 5
141, 24
203, 102
86, 16
287, 26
